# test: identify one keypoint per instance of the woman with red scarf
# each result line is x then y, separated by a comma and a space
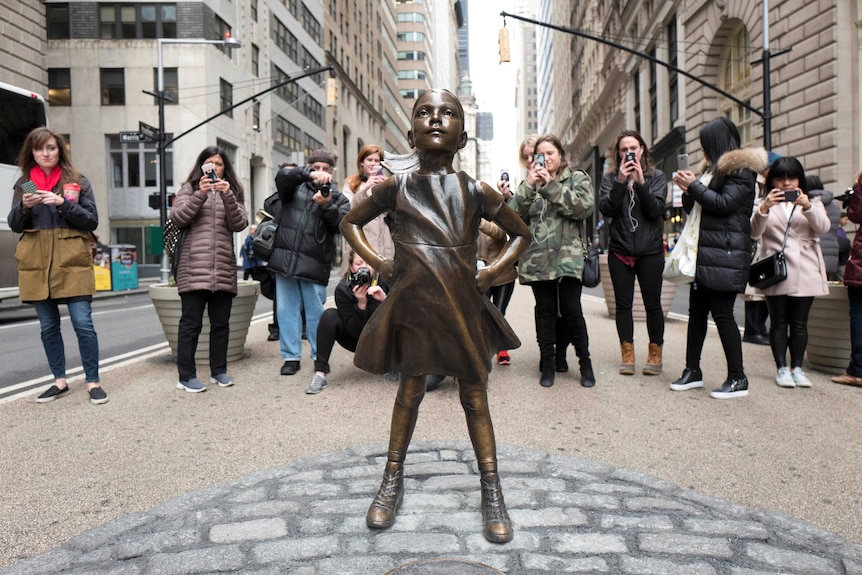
54, 209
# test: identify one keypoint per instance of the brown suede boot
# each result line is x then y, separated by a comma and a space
653, 362
627, 363
381, 513
498, 526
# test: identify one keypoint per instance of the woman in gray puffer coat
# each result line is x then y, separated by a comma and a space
725, 194
210, 207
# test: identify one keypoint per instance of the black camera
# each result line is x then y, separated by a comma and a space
360, 277
324, 189
845, 198
630, 157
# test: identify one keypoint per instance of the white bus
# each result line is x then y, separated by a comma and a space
20, 112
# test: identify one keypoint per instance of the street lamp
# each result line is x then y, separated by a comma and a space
161, 140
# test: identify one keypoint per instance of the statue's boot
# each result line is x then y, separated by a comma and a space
498, 526
381, 513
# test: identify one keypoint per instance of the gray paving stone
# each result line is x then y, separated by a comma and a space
355, 566
581, 465
269, 508
727, 527
259, 493
659, 504
109, 570
681, 544
453, 483
437, 468
424, 502
584, 500
295, 549
552, 564
310, 490
162, 541
428, 543
614, 488
523, 540
453, 521
355, 506
197, 561
52, 561
793, 561
743, 571
636, 522
535, 483
356, 472
108, 533
590, 543
550, 517
645, 480
652, 566
255, 530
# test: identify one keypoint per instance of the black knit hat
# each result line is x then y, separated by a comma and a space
324, 156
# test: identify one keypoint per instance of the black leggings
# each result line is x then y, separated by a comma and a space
701, 302
560, 301
329, 330
789, 314
648, 271
218, 305
500, 296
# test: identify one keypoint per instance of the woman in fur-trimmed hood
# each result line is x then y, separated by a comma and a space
725, 193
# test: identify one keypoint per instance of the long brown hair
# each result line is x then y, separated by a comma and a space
37, 138
229, 174
529, 142
554, 141
355, 180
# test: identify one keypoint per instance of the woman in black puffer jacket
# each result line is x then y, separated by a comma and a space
726, 195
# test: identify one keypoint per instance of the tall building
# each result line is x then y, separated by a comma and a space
22, 27
525, 55
102, 59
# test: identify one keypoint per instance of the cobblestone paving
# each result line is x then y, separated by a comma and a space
570, 516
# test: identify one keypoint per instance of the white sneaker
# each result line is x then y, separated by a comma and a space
799, 377
784, 379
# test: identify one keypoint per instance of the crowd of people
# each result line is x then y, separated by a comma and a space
752, 204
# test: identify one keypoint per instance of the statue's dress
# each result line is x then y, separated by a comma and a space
434, 320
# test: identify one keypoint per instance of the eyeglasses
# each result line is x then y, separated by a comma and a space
322, 167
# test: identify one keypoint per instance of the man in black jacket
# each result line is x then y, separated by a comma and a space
311, 210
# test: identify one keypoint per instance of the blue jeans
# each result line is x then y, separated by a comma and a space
854, 294
80, 312
291, 295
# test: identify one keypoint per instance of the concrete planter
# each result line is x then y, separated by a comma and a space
829, 331
668, 291
168, 306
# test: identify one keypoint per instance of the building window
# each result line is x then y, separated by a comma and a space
286, 135
410, 37
292, 6
255, 60
255, 116
736, 80
311, 25
57, 21
113, 86
673, 80
411, 75
411, 55
223, 31
284, 39
411, 17
289, 92
137, 21
254, 10
226, 95
59, 87
636, 86
308, 62
410, 94
653, 96
172, 85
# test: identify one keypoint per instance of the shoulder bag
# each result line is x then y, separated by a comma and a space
772, 269
174, 238
591, 276
264, 237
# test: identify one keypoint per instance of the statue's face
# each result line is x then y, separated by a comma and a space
437, 123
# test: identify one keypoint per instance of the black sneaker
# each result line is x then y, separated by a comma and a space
690, 379
731, 388
290, 367
98, 396
52, 393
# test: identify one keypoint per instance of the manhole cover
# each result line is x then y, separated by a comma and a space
444, 567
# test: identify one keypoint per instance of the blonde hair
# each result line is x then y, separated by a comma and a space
529, 142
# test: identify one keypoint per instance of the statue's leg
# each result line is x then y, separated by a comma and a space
474, 400
381, 513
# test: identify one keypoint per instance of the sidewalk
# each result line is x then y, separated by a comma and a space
627, 477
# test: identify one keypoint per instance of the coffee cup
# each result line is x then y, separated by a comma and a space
71, 192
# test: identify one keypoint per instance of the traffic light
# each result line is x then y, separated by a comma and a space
331, 93
504, 45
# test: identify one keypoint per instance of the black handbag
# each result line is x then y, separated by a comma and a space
174, 239
772, 269
591, 276
264, 239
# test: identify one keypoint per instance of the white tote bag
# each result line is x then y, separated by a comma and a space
681, 264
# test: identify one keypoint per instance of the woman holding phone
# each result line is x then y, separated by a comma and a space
787, 209
633, 198
210, 206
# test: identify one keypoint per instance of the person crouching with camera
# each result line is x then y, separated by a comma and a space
356, 298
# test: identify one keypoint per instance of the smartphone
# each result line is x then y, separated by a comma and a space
630, 157
790, 195
29, 187
504, 175
539, 159
209, 170
379, 171
682, 162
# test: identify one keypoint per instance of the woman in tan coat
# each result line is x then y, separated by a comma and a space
790, 300
210, 206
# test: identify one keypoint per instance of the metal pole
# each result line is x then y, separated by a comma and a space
160, 146
767, 98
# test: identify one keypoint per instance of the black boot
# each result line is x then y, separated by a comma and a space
548, 373
588, 378
546, 337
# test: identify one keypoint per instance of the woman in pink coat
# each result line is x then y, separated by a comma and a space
790, 300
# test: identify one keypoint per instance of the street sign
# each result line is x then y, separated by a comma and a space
132, 137
149, 131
